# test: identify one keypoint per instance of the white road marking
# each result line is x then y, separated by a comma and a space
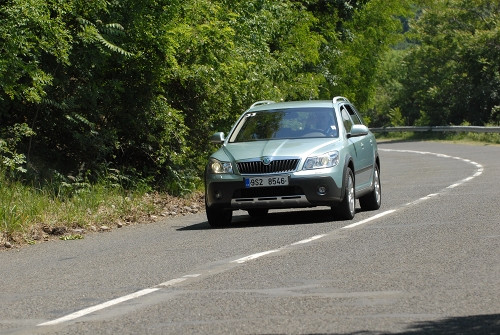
96, 308
192, 276
477, 173
369, 219
309, 239
255, 256
172, 282
242, 260
427, 197
178, 280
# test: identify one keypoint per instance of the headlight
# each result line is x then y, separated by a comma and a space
327, 160
216, 166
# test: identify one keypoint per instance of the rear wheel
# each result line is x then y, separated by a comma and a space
346, 209
218, 217
372, 200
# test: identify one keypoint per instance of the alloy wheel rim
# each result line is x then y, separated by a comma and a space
377, 187
350, 194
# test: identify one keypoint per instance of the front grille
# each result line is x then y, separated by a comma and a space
277, 166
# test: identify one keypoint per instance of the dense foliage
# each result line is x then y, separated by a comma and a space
449, 72
131, 90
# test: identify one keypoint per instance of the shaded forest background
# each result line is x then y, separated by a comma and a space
130, 90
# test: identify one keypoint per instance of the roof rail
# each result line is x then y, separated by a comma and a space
339, 98
263, 102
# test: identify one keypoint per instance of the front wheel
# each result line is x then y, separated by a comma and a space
346, 209
218, 217
373, 200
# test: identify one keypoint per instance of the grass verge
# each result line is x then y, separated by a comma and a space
29, 215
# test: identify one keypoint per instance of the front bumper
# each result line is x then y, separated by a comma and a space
304, 190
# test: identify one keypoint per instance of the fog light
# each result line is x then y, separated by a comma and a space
321, 190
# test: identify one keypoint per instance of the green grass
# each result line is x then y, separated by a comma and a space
19, 205
25, 211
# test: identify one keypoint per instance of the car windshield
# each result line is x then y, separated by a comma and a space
286, 124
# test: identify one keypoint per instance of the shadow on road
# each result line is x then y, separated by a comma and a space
281, 218
466, 325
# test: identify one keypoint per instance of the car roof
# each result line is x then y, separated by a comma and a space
267, 105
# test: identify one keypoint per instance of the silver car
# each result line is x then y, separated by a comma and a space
292, 155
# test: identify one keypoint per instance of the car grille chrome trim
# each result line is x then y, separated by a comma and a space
276, 166
280, 201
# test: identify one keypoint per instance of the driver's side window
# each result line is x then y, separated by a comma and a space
346, 119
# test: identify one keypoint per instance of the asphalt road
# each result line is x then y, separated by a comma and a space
427, 262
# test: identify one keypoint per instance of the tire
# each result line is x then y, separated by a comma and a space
218, 217
257, 212
373, 200
346, 209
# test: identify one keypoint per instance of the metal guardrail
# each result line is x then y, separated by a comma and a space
472, 129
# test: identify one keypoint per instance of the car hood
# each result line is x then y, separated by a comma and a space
278, 148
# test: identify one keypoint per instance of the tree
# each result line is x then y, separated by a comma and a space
30, 36
375, 27
452, 75
139, 86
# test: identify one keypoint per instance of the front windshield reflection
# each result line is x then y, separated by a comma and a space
286, 124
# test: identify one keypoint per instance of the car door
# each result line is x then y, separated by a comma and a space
363, 147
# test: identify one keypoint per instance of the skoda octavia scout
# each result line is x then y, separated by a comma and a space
292, 155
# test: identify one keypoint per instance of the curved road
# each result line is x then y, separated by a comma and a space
427, 262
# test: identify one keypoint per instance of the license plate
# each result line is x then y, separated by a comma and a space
280, 180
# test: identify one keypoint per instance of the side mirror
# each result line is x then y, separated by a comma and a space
217, 138
358, 130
